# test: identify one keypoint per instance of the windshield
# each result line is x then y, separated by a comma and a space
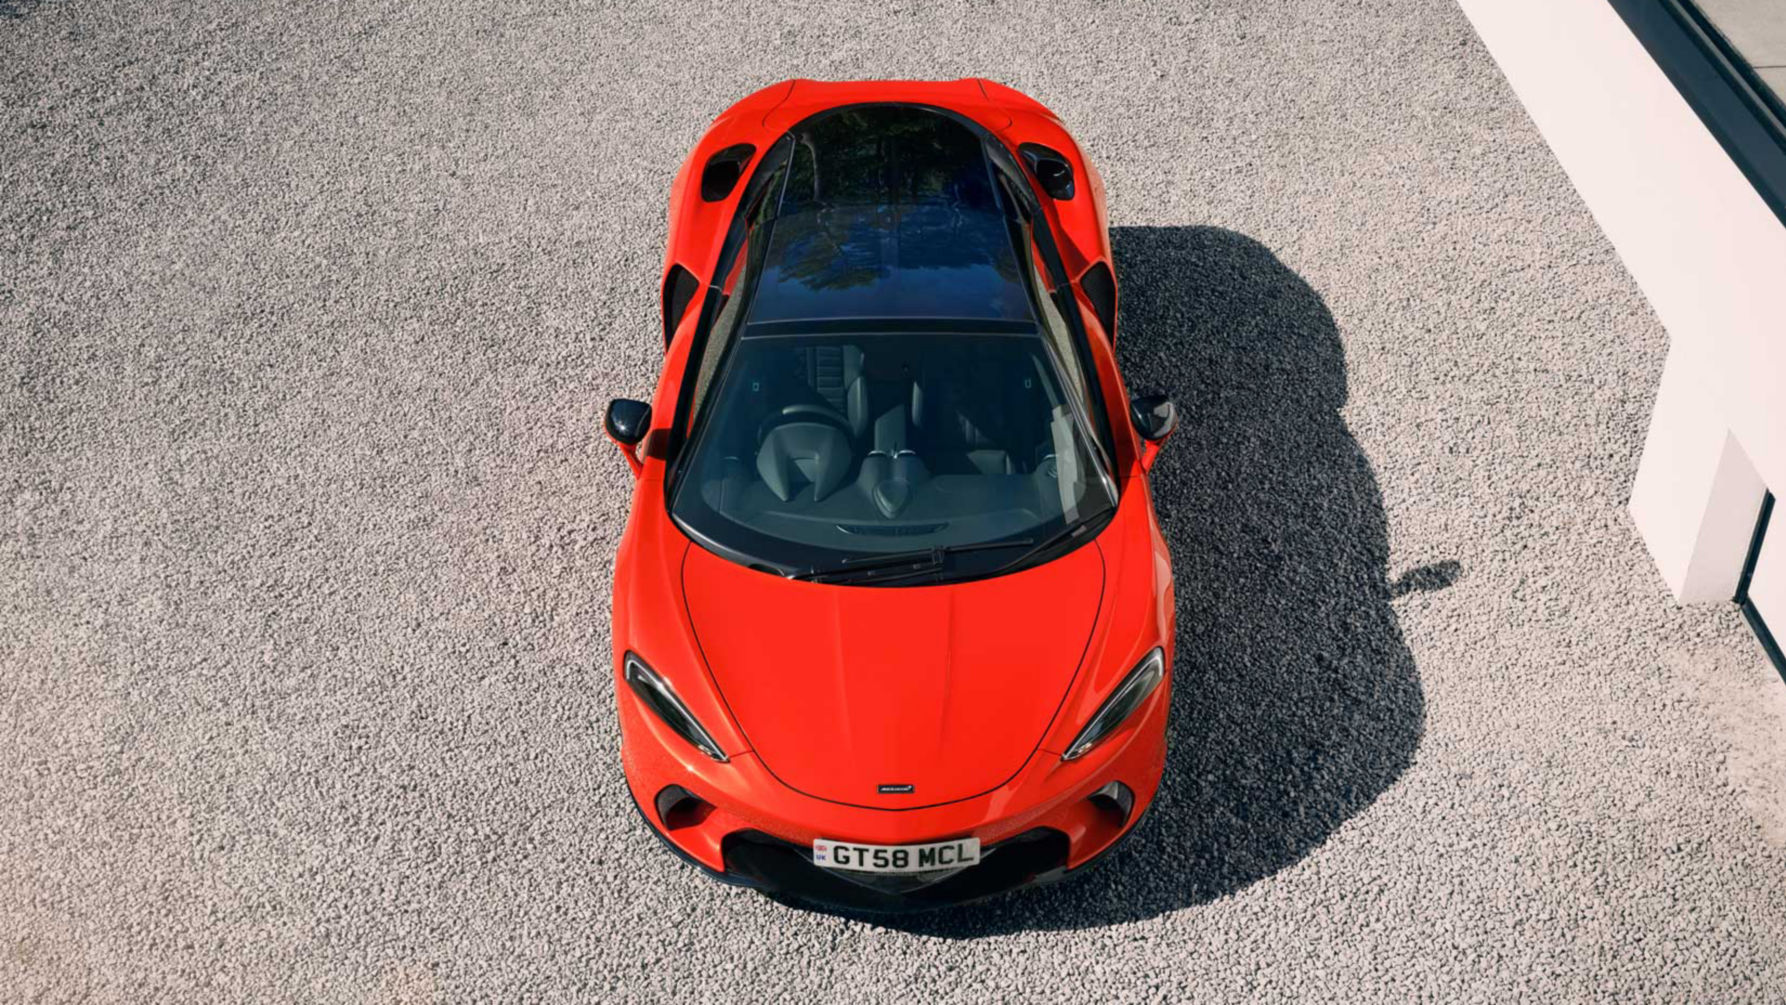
817, 450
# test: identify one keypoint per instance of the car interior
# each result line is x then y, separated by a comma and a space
880, 443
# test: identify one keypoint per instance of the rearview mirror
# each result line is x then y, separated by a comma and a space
1155, 417
626, 424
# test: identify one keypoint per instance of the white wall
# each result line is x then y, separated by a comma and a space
1697, 493
1708, 253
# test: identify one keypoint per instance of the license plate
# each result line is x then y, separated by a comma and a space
895, 857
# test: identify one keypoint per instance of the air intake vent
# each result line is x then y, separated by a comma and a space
723, 170
1050, 168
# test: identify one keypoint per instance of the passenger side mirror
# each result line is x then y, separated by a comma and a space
1155, 418
626, 423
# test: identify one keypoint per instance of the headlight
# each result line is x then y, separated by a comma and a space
658, 696
1121, 704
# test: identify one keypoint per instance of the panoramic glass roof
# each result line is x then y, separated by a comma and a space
889, 212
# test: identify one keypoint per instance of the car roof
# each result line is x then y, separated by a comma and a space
889, 212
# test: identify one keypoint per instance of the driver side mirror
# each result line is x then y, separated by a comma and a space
1155, 418
626, 424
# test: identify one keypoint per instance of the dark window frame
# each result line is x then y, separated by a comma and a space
1740, 111
1769, 644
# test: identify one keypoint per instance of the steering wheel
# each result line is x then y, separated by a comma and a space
803, 411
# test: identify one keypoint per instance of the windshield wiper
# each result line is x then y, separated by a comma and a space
899, 564
1062, 536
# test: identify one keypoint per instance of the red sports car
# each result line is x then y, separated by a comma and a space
893, 616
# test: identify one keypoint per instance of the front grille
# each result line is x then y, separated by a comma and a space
897, 883
781, 867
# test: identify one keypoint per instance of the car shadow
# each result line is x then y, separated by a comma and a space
14, 10
1296, 702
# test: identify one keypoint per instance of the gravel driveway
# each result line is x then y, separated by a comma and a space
308, 314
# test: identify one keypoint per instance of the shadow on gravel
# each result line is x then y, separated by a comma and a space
13, 10
1296, 701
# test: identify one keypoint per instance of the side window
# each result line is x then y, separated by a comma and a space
720, 334
1063, 333
1054, 326
733, 292
1048, 299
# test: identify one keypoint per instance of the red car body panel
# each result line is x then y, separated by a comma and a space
819, 693
841, 689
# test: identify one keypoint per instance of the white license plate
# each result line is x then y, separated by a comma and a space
895, 857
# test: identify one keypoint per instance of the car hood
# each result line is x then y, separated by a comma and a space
843, 690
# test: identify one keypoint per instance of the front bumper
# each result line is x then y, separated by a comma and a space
783, 869
742, 826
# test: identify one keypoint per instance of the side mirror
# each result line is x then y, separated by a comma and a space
626, 424
1155, 418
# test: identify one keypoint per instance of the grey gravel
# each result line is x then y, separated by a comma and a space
309, 313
